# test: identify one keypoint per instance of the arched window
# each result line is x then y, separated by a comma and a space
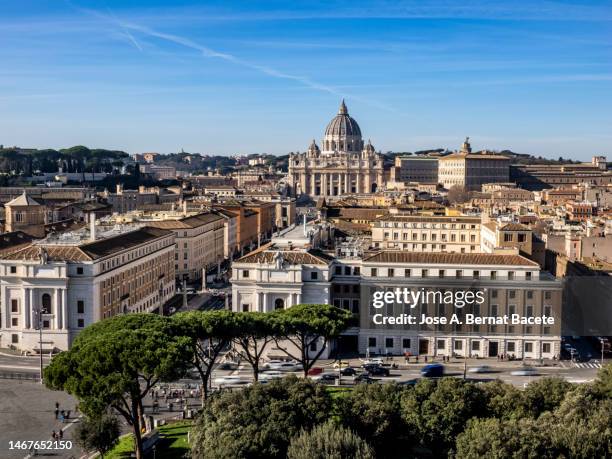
279, 303
46, 303
374, 187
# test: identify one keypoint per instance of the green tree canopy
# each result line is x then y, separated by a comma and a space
259, 421
329, 441
117, 366
504, 439
438, 410
373, 412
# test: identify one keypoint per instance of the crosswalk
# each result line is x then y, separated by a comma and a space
593, 364
587, 364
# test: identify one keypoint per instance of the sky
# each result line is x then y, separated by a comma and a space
221, 77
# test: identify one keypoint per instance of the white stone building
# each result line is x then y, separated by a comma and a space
66, 286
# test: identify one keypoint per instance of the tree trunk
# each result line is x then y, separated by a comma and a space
137, 434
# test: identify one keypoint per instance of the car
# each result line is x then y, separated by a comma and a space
348, 371
326, 378
269, 375
525, 371
368, 366
363, 378
481, 369
315, 371
284, 366
341, 364
410, 382
433, 370
227, 366
373, 361
225, 381
378, 371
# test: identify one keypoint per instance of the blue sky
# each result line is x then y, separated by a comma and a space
244, 77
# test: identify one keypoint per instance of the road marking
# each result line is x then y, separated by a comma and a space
588, 365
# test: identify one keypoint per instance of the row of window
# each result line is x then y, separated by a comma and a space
441, 273
426, 246
528, 346
433, 237
429, 225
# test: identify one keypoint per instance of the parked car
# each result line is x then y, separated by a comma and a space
348, 371
433, 370
481, 369
315, 371
377, 371
525, 371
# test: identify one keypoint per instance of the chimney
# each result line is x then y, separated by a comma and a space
304, 224
92, 226
184, 207
119, 189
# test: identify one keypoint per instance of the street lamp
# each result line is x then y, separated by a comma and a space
601, 342
38, 313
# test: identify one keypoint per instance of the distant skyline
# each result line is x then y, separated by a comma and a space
221, 77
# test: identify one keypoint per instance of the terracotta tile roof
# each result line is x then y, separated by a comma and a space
23, 200
193, 221
53, 253
429, 218
476, 259
105, 247
312, 257
89, 251
514, 227
359, 213
63, 226
13, 241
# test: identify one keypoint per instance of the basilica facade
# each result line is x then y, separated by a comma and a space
344, 164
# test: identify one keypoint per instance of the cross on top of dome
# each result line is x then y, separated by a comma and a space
342, 110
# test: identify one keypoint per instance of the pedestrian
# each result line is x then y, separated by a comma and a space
53, 435
57, 405
56, 413
68, 414
61, 434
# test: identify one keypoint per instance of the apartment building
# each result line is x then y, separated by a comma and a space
502, 236
66, 284
510, 284
420, 169
274, 278
471, 170
423, 233
200, 243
